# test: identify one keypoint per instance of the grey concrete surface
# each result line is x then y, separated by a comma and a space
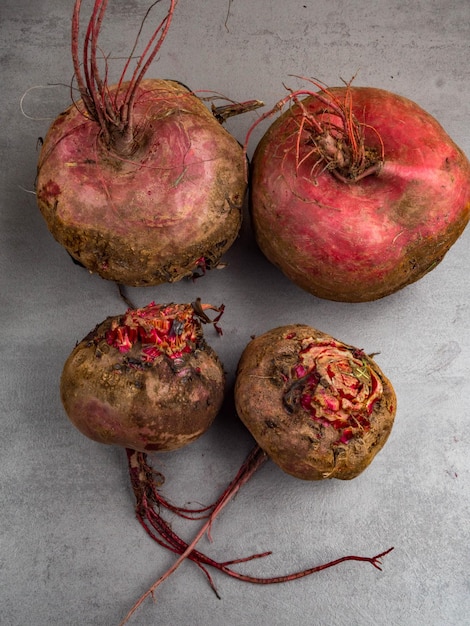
71, 550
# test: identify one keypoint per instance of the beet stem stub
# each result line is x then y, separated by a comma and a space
224, 112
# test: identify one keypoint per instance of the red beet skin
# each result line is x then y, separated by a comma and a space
345, 234
151, 211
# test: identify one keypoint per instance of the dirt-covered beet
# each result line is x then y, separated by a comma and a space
155, 215
139, 181
357, 192
318, 407
146, 380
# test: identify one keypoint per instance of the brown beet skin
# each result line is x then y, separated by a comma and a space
359, 240
269, 402
153, 215
115, 398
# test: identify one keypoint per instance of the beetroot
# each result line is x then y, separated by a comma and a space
138, 180
357, 192
318, 407
146, 380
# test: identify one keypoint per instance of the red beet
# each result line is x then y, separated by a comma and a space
139, 181
318, 407
357, 192
146, 380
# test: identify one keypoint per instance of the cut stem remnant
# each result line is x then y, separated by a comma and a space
150, 519
334, 137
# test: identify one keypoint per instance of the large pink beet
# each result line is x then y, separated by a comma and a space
138, 180
357, 192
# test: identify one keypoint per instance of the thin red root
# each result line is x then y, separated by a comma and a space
187, 551
254, 460
145, 482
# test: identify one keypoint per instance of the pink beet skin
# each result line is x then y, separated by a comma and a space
150, 211
360, 240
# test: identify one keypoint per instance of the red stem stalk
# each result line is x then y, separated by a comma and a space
131, 55
137, 78
115, 120
89, 106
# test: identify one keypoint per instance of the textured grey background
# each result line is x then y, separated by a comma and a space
71, 550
